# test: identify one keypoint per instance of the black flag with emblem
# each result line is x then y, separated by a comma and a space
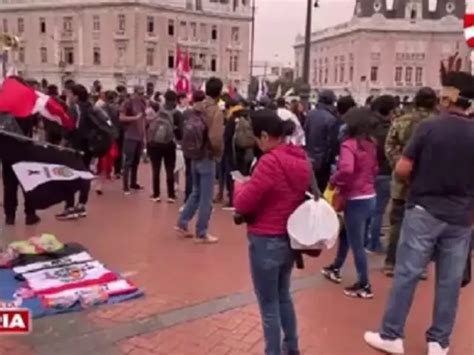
48, 174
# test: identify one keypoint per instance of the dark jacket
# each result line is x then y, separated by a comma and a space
229, 130
381, 131
77, 138
321, 129
178, 119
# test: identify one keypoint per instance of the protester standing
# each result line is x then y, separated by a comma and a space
163, 132
321, 137
298, 136
398, 137
11, 184
275, 189
382, 108
439, 163
198, 97
133, 116
354, 182
203, 167
78, 140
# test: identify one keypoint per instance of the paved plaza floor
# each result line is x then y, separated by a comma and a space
199, 298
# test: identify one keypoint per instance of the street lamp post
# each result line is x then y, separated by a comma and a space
305, 89
252, 46
307, 41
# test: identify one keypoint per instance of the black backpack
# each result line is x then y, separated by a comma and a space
101, 134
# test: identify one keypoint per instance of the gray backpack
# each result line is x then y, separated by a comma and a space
161, 129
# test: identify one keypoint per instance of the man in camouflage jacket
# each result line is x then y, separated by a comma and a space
400, 132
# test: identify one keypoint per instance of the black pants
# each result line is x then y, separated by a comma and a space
159, 153
189, 179
132, 151
397, 213
85, 188
10, 192
322, 176
119, 161
243, 160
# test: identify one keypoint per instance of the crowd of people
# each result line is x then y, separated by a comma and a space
413, 159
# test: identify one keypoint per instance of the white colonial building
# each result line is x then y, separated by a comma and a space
128, 41
389, 46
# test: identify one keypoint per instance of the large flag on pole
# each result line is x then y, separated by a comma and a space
48, 174
22, 101
182, 72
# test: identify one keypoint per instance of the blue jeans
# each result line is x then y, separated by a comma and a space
421, 236
203, 173
271, 263
357, 215
382, 188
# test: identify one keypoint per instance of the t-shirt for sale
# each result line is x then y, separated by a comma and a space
442, 150
67, 277
51, 264
114, 288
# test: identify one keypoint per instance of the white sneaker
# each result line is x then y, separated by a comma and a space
436, 349
393, 347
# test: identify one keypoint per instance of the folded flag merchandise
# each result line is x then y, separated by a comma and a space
69, 282
64, 261
48, 174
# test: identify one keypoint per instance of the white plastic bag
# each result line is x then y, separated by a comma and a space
313, 225
180, 164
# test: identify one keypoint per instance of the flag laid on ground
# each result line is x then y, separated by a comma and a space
48, 174
22, 101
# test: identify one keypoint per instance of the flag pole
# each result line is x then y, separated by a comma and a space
44, 144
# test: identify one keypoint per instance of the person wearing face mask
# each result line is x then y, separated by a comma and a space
439, 163
275, 189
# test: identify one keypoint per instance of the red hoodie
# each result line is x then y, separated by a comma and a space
276, 188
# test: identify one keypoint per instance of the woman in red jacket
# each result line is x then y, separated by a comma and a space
266, 200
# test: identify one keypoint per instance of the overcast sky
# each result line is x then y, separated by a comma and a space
279, 21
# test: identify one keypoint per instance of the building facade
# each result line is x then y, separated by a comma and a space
389, 46
128, 41
273, 70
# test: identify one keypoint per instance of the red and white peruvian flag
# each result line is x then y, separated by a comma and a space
469, 23
182, 72
22, 101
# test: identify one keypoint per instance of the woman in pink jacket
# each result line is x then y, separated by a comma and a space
355, 180
276, 188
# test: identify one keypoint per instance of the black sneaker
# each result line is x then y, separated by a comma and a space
32, 219
67, 215
136, 187
81, 211
10, 220
359, 291
332, 274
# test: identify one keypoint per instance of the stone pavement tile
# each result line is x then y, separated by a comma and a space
131, 235
13, 345
324, 316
